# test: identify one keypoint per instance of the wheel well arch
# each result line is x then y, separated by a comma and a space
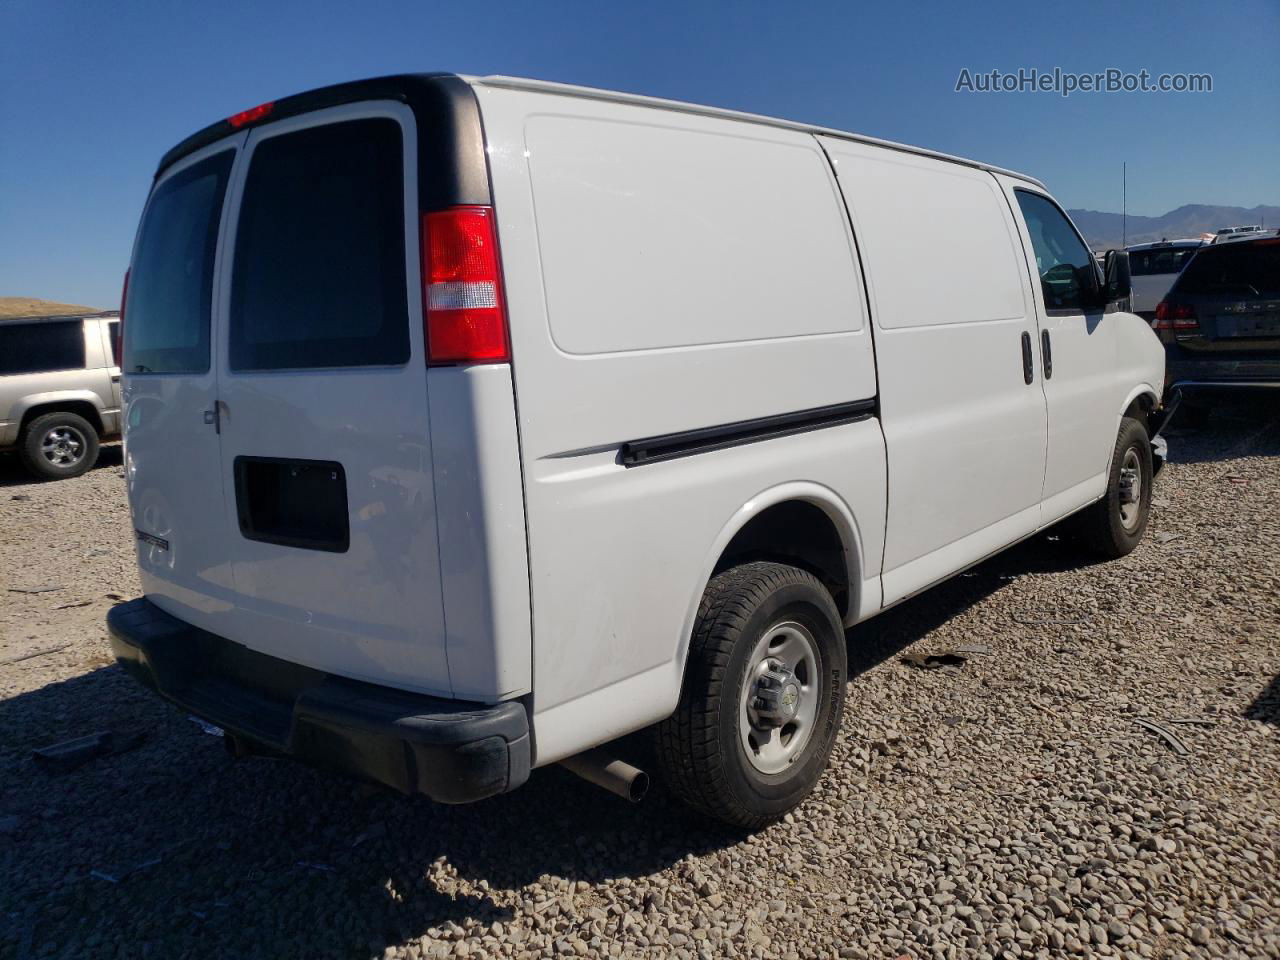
81, 408
816, 496
798, 533
1139, 404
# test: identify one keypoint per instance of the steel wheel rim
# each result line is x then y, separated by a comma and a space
1130, 490
789, 649
63, 446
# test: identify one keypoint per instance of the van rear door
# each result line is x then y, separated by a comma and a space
326, 456
173, 458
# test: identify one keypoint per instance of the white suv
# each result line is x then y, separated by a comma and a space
59, 390
473, 423
1153, 268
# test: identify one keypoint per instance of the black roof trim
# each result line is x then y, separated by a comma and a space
62, 317
451, 157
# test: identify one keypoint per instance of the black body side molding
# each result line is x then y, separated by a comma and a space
669, 446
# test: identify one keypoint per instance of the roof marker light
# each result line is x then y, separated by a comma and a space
252, 115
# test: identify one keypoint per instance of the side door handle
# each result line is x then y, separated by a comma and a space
1046, 354
1027, 372
214, 417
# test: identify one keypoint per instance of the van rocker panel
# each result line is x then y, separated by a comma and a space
449, 750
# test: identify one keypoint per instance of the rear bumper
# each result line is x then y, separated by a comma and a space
1192, 369
451, 751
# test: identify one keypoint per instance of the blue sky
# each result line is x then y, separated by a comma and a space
91, 94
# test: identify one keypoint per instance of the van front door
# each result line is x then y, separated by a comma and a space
173, 465
1078, 351
323, 390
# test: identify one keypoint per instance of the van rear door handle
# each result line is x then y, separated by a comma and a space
1027, 374
1046, 354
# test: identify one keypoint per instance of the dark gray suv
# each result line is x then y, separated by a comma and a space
1220, 322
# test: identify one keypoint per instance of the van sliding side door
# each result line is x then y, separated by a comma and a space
960, 403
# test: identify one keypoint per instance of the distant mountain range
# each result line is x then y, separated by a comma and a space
1103, 231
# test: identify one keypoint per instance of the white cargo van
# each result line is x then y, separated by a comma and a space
473, 423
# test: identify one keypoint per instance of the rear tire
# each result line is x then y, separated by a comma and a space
762, 699
58, 446
1114, 525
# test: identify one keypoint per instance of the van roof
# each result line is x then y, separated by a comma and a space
438, 92
681, 106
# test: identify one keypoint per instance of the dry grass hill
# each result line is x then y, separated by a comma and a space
34, 307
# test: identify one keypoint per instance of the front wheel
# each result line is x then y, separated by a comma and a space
762, 699
1114, 525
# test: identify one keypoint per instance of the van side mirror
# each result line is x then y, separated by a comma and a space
1117, 286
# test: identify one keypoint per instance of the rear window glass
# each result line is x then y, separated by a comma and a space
171, 280
1238, 269
41, 347
1145, 263
113, 333
319, 275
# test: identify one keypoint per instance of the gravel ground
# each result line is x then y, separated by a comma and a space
1009, 807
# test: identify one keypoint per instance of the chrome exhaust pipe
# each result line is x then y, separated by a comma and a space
604, 770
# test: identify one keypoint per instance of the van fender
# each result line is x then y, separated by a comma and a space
823, 497
1141, 390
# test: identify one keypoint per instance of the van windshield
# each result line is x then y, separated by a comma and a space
166, 326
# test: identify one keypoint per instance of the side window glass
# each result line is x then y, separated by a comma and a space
1066, 267
113, 333
41, 347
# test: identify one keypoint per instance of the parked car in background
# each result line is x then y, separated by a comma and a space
59, 390
1220, 322
1236, 233
1153, 267
1251, 234
359, 549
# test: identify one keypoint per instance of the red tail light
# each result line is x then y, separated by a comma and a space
119, 344
462, 287
1171, 315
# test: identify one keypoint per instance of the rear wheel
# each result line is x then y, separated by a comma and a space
762, 699
1114, 525
57, 446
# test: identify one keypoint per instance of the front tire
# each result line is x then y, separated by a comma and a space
762, 699
58, 446
1114, 525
